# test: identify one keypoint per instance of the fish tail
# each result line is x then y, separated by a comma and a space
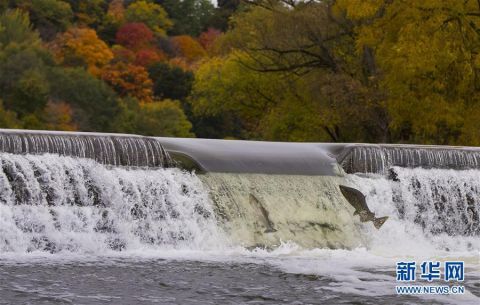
378, 222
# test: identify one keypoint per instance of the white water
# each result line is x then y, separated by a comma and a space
415, 225
51, 204
379, 158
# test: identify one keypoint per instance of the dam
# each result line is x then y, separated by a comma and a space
69, 194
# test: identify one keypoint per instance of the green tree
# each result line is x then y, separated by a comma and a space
48, 16
190, 17
8, 119
23, 64
153, 15
91, 12
94, 104
225, 9
165, 118
225, 88
170, 82
16, 28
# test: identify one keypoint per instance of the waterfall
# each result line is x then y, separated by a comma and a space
61, 192
427, 209
51, 203
440, 201
379, 158
55, 204
266, 210
111, 149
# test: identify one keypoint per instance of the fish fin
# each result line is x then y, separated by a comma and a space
378, 222
270, 230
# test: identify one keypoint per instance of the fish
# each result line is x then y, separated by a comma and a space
264, 213
357, 200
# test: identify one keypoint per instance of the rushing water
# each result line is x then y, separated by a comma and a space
73, 231
371, 158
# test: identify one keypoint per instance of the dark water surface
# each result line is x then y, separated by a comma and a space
125, 281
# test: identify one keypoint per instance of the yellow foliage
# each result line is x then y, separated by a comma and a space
153, 15
427, 54
358, 9
188, 48
83, 43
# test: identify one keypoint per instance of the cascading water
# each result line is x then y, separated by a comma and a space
441, 201
435, 208
111, 149
51, 203
264, 210
367, 158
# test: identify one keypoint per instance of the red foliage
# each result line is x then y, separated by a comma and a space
134, 36
207, 39
147, 57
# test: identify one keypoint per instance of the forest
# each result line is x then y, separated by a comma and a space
281, 70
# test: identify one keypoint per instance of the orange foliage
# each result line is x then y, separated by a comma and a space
83, 44
180, 62
59, 116
188, 48
128, 79
116, 10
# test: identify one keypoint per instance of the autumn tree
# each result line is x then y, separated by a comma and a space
129, 80
208, 38
151, 14
148, 57
58, 116
80, 46
428, 62
122, 54
112, 21
134, 36
293, 62
188, 48
116, 10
